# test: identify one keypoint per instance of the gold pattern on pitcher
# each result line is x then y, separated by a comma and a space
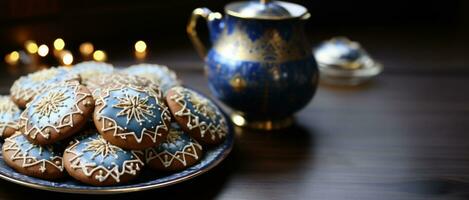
238, 83
270, 47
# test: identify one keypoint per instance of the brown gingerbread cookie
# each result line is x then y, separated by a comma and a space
197, 115
131, 115
104, 81
9, 117
159, 74
27, 87
57, 113
88, 70
179, 151
33, 160
93, 160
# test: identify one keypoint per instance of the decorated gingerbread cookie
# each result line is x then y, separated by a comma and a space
97, 83
27, 87
93, 160
159, 74
197, 115
33, 160
132, 116
91, 69
57, 113
106, 81
9, 117
179, 151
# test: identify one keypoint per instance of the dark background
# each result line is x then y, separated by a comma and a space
117, 24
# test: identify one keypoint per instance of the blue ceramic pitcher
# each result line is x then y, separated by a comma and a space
260, 63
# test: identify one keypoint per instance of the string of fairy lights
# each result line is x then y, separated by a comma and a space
64, 56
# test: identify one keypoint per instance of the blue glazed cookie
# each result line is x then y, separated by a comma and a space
90, 69
179, 151
159, 74
27, 87
197, 115
9, 117
93, 160
132, 116
57, 113
33, 160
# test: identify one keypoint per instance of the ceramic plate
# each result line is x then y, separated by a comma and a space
147, 180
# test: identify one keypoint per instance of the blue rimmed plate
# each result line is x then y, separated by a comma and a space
147, 180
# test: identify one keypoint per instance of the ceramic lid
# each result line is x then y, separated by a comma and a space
344, 62
265, 9
340, 52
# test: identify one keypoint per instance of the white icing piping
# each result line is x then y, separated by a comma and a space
128, 167
108, 123
28, 161
66, 120
219, 130
180, 156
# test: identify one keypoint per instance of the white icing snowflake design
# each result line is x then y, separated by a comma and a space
100, 147
213, 128
26, 159
134, 108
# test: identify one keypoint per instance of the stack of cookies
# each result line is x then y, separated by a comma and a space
102, 126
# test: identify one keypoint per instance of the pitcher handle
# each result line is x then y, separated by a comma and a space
192, 25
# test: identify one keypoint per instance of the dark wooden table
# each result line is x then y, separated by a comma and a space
403, 136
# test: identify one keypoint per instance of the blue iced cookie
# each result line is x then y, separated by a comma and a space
27, 87
179, 151
33, 160
197, 115
9, 117
159, 74
93, 160
90, 69
58, 113
132, 116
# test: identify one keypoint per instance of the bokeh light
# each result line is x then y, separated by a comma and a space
31, 46
12, 58
59, 44
43, 50
140, 46
99, 55
86, 49
67, 58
